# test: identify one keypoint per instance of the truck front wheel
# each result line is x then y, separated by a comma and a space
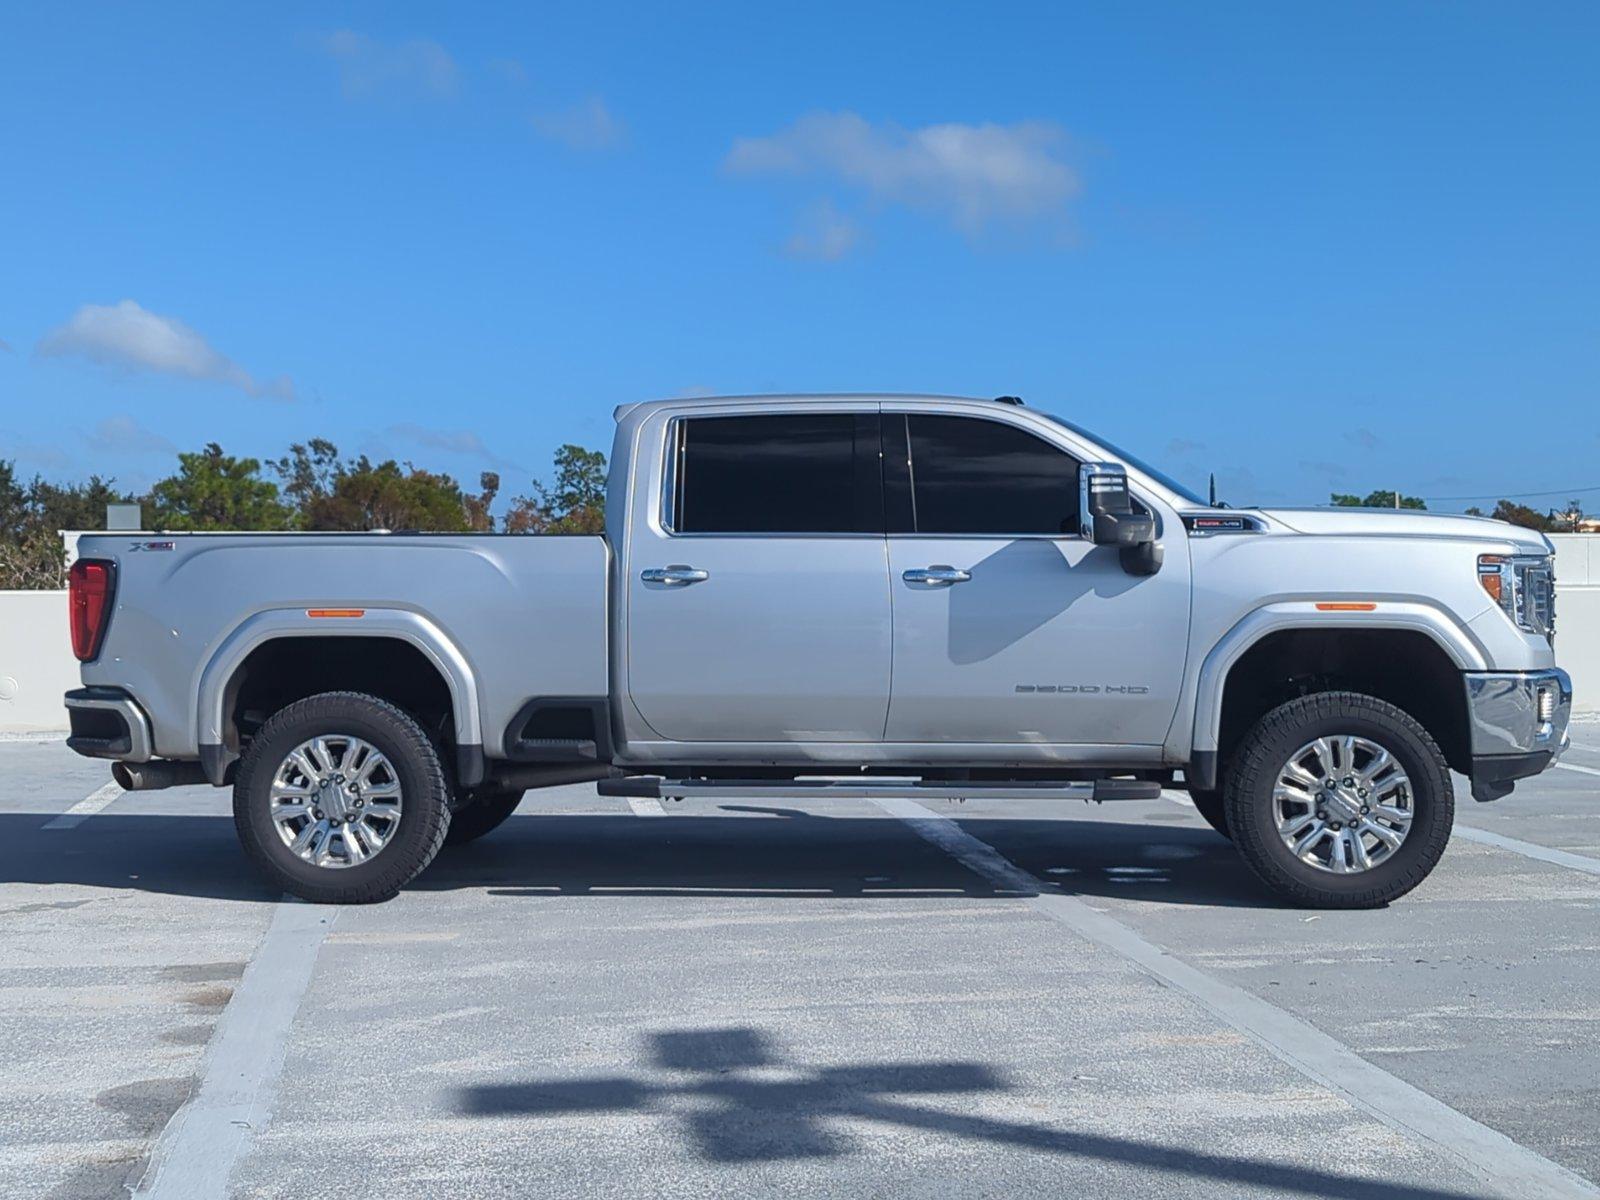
1339, 800
341, 799
1208, 802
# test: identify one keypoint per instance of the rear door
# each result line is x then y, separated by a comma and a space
1008, 626
759, 601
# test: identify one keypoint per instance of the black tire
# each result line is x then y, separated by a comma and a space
1208, 802
484, 811
418, 833
1269, 745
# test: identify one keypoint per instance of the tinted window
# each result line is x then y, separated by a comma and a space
974, 476
790, 473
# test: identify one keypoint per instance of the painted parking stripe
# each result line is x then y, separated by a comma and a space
1177, 797
644, 806
1488, 1155
206, 1138
1561, 858
86, 808
1564, 766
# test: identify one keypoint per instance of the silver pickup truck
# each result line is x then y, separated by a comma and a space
862, 595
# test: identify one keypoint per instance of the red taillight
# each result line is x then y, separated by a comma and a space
90, 585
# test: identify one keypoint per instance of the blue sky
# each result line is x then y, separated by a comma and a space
1308, 247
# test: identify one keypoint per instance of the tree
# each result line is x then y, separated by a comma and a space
214, 491
1377, 500
308, 472
31, 518
1570, 519
385, 495
574, 503
75, 505
1521, 514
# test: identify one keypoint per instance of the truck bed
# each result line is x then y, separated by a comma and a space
528, 613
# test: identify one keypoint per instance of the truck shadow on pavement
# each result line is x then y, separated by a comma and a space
747, 1103
748, 851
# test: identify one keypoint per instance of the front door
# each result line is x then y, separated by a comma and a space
1008, 627
758, 606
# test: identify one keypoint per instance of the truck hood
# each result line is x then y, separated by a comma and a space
1390, 522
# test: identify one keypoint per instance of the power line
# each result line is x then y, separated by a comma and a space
1568, 492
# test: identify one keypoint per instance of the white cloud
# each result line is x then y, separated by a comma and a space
971, 174
453, 441
825, 233
125, 435
130, 337
586, 126
368, 67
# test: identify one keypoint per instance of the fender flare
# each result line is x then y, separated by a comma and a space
1420, 617
271, 624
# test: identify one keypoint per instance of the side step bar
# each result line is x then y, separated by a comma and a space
1098, 790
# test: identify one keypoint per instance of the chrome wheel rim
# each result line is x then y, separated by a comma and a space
335, 801
1343, 804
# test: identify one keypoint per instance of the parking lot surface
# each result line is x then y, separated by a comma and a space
728, 998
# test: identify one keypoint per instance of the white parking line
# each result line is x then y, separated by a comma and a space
1576, 767
205, 1139
1561, 858
1488, 1155
86, 808
1177, 797
644, 806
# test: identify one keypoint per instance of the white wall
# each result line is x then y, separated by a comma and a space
36, 663
1578, 615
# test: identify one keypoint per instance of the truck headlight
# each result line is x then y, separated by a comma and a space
1524, 587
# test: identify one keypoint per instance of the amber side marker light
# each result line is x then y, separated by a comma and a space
1345, 606
336, 612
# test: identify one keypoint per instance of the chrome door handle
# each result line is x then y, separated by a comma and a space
677, 573
937, 575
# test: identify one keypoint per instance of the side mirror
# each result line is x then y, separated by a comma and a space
1107, 517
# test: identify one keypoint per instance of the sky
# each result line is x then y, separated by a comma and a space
1310, 248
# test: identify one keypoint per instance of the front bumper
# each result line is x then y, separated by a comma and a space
1518, 722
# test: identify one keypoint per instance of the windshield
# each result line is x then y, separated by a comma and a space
1130, 460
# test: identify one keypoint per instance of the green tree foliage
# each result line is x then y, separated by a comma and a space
360, 494
32, 516
1377, 500
215, 491
574, 503
1521, 514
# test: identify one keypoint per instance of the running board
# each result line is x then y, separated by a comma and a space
1098, 790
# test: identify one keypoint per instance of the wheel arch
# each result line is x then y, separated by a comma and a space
223, 674
1421, 635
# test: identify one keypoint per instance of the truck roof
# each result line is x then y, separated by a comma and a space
788, 398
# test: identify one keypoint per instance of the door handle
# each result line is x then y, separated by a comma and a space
938, 575
676, 574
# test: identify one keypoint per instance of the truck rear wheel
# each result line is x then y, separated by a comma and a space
485, 810
341, 799
1339, 800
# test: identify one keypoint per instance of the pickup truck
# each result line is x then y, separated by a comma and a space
866, 595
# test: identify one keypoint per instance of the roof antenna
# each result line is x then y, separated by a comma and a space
1213, 489
1017, 400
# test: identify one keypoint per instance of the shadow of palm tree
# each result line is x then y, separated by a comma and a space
753, 1117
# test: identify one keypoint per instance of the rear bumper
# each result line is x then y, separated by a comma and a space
1518, 722
108, 723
